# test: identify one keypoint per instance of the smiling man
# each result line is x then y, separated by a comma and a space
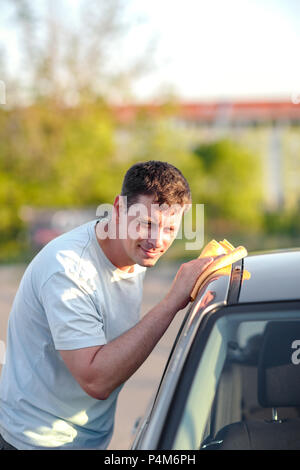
142, 232
74, 333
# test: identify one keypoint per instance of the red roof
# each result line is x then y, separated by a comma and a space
235, 111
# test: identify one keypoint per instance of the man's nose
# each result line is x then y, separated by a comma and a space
157, 238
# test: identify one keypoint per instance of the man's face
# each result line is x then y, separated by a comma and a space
150, 229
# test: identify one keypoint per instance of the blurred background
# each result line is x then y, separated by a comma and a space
89, 87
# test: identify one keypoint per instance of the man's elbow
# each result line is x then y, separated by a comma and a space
96, 391
94, 380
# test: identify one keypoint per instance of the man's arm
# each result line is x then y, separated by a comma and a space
101, 369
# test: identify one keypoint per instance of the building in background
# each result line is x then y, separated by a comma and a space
269, 128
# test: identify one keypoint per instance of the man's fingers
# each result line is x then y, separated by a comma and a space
205, 262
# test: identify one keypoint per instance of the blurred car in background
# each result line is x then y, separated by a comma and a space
46, 224
232, 380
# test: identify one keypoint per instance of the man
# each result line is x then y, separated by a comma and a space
74, 333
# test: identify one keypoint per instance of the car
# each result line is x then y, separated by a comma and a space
232, 380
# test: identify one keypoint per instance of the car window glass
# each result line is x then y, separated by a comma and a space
246, 378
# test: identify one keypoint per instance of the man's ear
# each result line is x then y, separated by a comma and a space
116, 203
187, 208
120, 205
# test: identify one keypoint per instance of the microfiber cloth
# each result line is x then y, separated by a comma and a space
225, 255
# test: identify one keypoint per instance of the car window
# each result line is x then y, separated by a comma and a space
245, 391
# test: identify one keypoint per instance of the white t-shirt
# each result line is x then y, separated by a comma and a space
71, 296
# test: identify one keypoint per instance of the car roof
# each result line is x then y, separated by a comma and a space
269, 276
274, 276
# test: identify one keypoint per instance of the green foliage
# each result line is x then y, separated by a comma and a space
54, 157
159, 139
283, 223
231, 187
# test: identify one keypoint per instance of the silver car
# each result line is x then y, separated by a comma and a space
232, 380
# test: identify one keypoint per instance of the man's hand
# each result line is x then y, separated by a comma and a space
178, 296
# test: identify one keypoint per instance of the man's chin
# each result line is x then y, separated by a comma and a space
148, 262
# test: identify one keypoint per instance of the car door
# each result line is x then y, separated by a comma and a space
240, 378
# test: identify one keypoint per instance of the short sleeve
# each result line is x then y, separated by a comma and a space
73, 318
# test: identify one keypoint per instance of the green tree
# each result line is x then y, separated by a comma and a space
52, 156
231, 187
156, 138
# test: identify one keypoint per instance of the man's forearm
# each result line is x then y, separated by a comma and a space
117, 360
101, 369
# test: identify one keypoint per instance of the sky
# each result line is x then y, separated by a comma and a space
223, 49
214, 49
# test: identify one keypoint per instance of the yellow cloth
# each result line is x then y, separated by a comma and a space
225, 254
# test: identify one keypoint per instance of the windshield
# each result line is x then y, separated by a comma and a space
245, 386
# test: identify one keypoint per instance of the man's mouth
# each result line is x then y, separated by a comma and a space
150, 253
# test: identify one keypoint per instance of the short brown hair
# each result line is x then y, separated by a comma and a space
160, 179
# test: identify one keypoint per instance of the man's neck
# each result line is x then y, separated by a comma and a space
113, 251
